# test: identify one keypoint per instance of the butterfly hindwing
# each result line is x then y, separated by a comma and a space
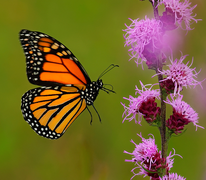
51, 110
49, 62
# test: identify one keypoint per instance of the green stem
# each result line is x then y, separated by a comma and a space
162, 128
155, 9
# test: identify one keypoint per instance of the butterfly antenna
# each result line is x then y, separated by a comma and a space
110, 86
107, 70
107, 90
90, 115
97, 113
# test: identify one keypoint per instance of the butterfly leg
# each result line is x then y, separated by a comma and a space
90, 115
97, 113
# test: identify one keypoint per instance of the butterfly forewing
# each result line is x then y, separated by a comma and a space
49, 62
51, 110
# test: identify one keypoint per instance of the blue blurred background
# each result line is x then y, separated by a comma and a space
92, 30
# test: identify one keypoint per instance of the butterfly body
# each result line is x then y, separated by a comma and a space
66, 87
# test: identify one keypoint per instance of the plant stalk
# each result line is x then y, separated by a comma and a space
162, 128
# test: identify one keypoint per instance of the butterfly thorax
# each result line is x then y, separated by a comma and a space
91, 91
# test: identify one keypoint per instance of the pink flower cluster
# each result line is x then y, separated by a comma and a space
145, 37
145, 106
148, 159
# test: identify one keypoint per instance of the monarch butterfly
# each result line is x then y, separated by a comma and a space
66, 87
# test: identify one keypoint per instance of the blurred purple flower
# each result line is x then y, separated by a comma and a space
177, 12
143, 34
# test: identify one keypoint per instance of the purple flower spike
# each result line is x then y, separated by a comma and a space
141, 33
178, 12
